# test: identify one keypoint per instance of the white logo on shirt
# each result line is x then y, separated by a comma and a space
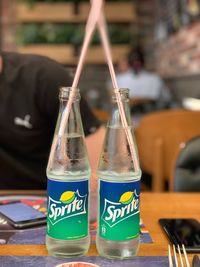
24, 122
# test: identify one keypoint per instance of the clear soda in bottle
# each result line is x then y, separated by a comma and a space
68, 173
119, 189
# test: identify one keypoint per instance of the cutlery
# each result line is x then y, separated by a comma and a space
179, 259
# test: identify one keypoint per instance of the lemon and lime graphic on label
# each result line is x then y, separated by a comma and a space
67, 197
126, 198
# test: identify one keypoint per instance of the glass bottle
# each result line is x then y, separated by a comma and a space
119, 189
68, 173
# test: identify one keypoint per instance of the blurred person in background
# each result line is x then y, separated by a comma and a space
29, 104
143, 85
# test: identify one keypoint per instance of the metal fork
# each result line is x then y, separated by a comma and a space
183, 260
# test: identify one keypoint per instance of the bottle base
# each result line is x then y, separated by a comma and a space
67, 249
118, 250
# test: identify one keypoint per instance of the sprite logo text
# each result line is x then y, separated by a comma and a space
119, 210
70, 204
116, 212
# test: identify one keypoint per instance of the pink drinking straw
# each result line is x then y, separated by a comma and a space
94, 13
96, 16
90, 26
107, 50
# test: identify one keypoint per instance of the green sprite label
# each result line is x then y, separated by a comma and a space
67, 209
119, 210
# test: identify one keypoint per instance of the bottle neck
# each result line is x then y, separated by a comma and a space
68, 157
116, 161
115, 120
74, 124
65, 92
74, 106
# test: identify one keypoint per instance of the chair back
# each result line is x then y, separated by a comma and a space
159, 136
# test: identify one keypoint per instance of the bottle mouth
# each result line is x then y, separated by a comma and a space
124, 93
64, 93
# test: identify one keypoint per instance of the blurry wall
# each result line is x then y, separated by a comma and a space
8, 24
178, 60
146, 23
94, 76
180, 54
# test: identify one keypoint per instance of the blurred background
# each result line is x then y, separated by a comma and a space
167, 30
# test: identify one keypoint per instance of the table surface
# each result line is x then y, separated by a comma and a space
153, 207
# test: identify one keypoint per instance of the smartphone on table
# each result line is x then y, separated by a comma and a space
183, 231
20, 215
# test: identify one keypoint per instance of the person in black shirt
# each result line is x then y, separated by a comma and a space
28, 113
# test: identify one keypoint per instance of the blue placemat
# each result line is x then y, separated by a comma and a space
20, 261
37, 236
10, 235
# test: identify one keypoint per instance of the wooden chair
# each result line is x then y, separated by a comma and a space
159, 136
